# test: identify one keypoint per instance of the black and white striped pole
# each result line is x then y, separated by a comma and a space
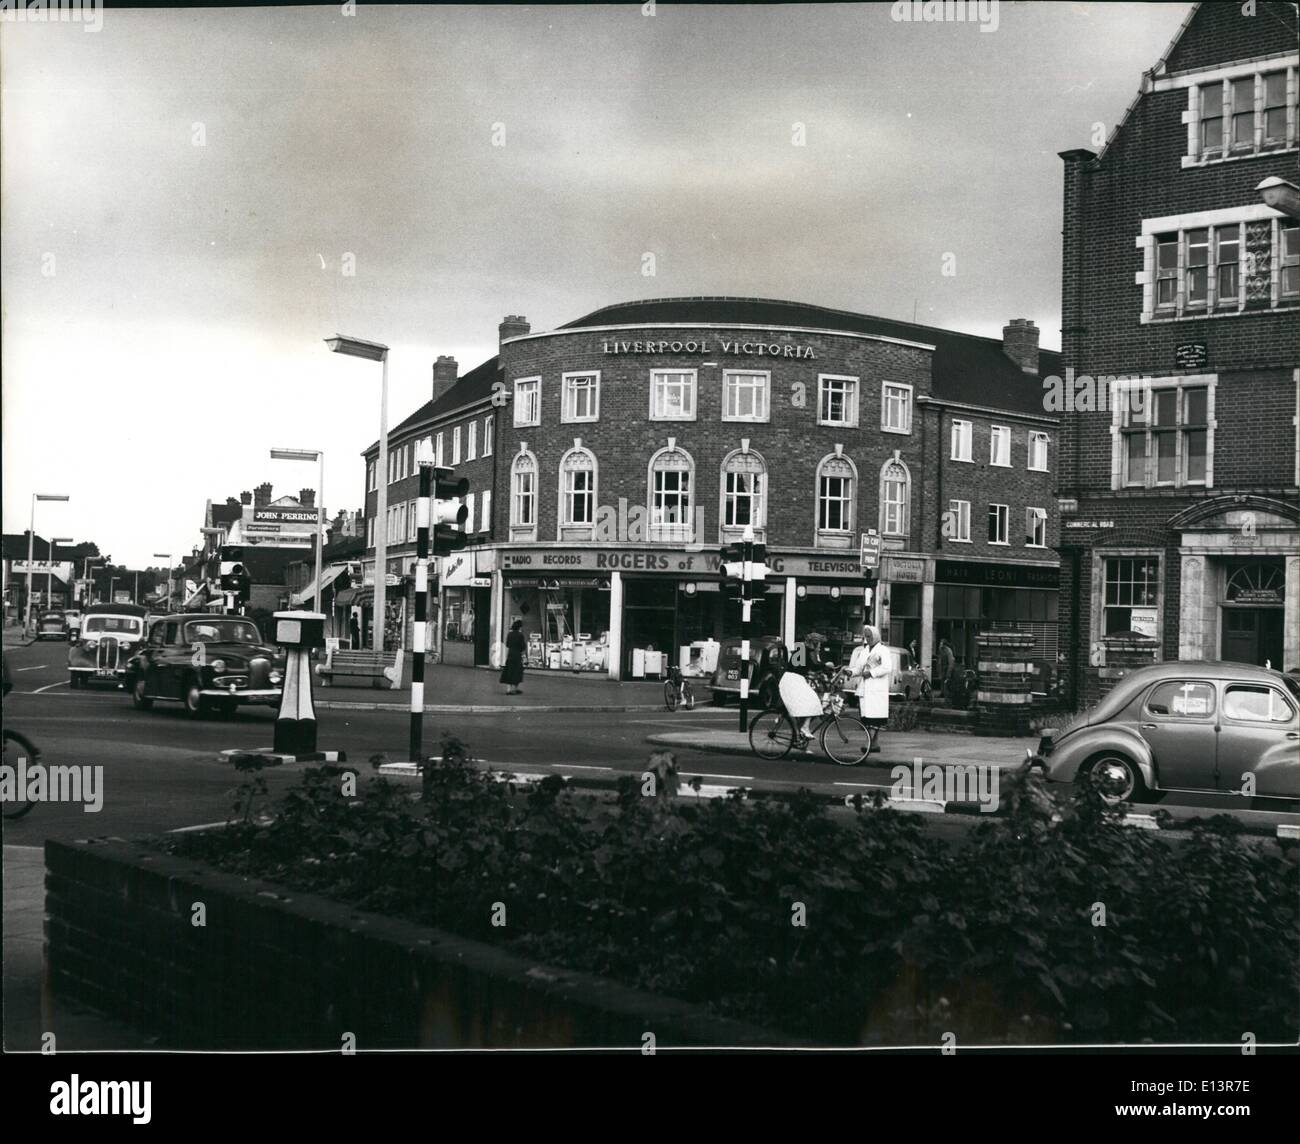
420, 637
746, 614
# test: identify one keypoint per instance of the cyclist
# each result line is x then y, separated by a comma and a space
801, 703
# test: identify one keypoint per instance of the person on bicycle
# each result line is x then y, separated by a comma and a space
814, 662
801, 703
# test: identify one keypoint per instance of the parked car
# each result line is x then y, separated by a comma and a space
763, 673
1198, 726
205, 662
51, 625
109, 634
908, 681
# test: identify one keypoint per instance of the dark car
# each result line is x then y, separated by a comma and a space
1199, 726
205, 662
110, 634
51, 625
764, 672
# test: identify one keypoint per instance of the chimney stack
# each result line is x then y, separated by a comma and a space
513, 326
445, 372
245, 497
307, 498
1020, 344
262, 495
231, 502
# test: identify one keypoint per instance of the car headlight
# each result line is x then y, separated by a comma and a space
91, 644
218, 665
275, 676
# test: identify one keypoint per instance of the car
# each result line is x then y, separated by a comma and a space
206, 663
1199, 726
763, 675
109, 634
908, 680
51, 625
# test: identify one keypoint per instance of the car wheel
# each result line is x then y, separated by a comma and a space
139, 699
195, 705
1117, 778
74, 681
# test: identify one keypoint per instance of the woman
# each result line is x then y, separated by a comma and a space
512, 674
870, 669
798, 698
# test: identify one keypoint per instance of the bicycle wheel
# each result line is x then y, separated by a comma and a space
846, 740
18, 746
688, 697
670, 695
771, 735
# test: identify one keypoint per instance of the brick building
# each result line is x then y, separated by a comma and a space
1179, 468
623, 449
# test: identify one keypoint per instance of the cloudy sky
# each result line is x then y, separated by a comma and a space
183, 192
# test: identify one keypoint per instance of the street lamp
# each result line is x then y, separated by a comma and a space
49, 572
318, 456
168, 557
374, 351
31, 536
1280, 195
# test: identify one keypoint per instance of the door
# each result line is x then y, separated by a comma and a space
168, 661
1241, 635
482, 609
1260, 735
1178, 721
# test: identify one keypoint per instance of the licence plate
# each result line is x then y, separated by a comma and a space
104, 671
733, 673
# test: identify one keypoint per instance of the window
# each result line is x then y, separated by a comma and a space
894, 486
578, 489
488, 426
370, 476
485, 522
837, 400
1289, 258
999, 515
523, 495
1198, 267
1242, 92
412, 520
1038, 451
1000, 447
1226, 257
437, 450
1257, 704
1182, 698
468, 524
671, 471
455, 446
528, 401
958, 522
581, 397
1132, 584
1165, 436
1167, 270
836, 488
744, 396
961, 440
1036, 527
672, 395
742, 491
370, 532
1239, 115
896, 408
471, 441
1212, 118
1275, 108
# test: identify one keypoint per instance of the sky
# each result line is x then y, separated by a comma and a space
191, 200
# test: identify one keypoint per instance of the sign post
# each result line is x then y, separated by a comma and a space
869, 558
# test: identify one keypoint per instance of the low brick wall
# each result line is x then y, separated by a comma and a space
1004, 700
274, 969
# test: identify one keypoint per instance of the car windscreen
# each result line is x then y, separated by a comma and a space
117, 625
222, 631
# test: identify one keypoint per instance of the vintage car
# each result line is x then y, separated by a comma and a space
1200, 726
908, 680
205, 662
51, 624
763, 678
109, 634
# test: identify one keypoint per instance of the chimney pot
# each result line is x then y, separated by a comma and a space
262, 494
307, 498
1020, 344
245, 497
513, 326
445, 372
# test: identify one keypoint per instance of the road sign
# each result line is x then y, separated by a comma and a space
870, 549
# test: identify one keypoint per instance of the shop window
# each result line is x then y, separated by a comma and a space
896, 408
744, 479
837, 400
744, 395
1132, 585
999, 516
577, 495
837, 481
528, 401
1038, 451
671, 479
488, 426
961, 440
523, 497
581, 397
672, 395
1036, 527
895, 497
1000, 447
1165, 435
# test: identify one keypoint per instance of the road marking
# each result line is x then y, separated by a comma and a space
61, 683
706, 775
573, 766
36, 668
199, 826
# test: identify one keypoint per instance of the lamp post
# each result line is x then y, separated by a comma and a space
49, 572
317, 455
31, 536
168, 557
374, 351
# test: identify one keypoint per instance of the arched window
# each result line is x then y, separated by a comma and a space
577, 494
523, 497
895, 498
743, 494
837, 490
672, 486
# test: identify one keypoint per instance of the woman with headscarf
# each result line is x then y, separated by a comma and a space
870, 670
512, 674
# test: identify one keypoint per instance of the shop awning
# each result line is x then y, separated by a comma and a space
309, 592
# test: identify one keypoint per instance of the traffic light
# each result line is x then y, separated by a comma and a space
449, 515
869, 591
732, 564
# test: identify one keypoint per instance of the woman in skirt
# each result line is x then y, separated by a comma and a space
512, 674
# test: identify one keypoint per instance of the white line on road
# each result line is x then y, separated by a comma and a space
706, 775
36, 668
576, 767
61, 683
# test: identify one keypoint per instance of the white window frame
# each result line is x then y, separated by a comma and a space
885, 427
671, 532
1004, 519
1120, 401
692, 387
1043, 440
731, 532
485, 521
731, 375
371, 483
999, 433
568, 395
567, 528
836, 537
965, 436
852, 396
1197, 154
1035, 524
467, 525
455, 446
906, 510
471, 441
519, 529
523, 387
489, 428
1099, 605
961, 510
438, 449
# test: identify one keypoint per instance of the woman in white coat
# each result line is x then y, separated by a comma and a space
870, 670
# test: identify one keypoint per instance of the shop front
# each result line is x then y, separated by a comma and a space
462, 618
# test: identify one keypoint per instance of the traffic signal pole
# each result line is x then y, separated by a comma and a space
746, 614
419, 637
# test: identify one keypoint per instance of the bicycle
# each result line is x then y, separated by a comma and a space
678, 690
844, 739
17, 747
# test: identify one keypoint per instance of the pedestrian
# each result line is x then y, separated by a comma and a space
870, 669
947, 672
512, 674
354, 629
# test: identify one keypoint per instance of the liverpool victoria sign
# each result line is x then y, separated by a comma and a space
703, 346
